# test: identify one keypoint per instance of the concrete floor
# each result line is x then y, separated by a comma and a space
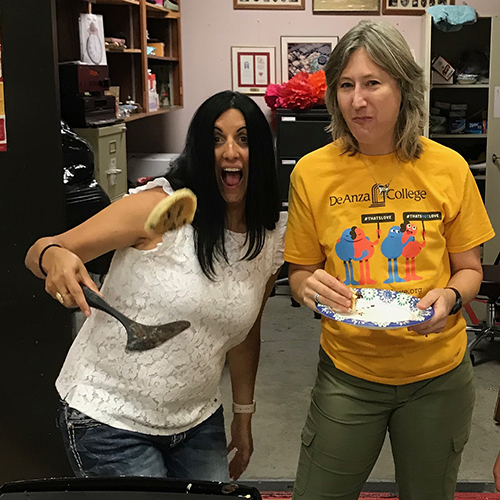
290, 342
287, 370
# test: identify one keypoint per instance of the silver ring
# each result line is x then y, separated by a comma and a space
60, 298
316, 299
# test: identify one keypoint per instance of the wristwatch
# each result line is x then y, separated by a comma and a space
458, 302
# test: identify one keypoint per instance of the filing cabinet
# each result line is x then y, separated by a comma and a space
110, 152
298, 132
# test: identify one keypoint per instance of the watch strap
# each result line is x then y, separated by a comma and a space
237, 408
458, 300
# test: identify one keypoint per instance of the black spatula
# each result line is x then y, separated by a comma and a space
139, 337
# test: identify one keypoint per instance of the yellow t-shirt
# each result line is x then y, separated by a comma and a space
399, 241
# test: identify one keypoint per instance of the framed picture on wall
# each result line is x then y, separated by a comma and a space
346, 7
307, 53
254, 68
410, 7
269, 4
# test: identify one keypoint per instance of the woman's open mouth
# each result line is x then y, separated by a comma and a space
231, 177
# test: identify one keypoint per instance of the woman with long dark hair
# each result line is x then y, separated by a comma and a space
195, 169
158, 412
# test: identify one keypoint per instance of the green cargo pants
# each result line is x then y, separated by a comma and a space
428, 424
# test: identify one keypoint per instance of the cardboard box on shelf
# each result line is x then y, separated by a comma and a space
475, 127
158, 47
114, 91
443, 67
457, 125
437, 79
438, 125
444, 106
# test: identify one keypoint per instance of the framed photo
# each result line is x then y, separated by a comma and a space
307, 53
346, 6
254, 68
410, 7
270, 4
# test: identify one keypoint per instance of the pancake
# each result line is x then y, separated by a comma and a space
171, 213
356, 294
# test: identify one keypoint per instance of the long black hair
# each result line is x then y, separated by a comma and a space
195, 169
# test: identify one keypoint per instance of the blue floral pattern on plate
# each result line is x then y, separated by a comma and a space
381, 309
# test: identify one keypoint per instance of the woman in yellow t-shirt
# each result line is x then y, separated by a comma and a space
357, 209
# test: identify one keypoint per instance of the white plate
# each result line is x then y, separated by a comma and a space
381, 309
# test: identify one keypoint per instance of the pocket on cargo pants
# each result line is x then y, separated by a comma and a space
305, 459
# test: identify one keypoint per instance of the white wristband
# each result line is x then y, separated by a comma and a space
244, 408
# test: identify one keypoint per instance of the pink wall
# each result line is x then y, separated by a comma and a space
211, 27
482, 6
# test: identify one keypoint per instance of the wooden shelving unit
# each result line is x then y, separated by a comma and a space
158, 10
163, 25
124, 51
163, 58
128, 68
160, 111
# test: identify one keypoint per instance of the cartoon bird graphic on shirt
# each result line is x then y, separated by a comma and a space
363, 251
392, 248
411, 250
344, 248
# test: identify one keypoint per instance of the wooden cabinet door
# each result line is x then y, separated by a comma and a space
492, 200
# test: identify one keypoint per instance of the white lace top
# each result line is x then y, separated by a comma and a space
175, 386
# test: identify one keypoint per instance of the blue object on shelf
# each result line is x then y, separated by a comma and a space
452, 17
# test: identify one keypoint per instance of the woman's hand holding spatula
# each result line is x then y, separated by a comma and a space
65, 275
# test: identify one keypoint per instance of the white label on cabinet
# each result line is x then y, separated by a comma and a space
496, 109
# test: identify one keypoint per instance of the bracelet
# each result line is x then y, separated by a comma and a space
41, 256
244, 408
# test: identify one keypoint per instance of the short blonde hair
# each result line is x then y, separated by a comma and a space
387, 47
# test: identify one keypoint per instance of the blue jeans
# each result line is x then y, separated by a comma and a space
96, 449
